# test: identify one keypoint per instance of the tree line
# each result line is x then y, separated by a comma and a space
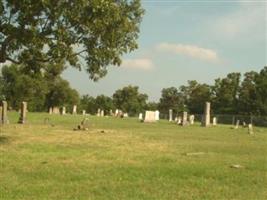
232, 94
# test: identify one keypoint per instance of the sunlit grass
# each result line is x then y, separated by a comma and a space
126, 159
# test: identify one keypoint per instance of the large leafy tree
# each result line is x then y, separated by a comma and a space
68, 32
171, 98
88, 103
261, 91
130, 100
104, 102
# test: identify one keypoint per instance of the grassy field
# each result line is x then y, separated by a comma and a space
125, 159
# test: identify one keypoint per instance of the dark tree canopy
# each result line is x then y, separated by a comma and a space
92, 33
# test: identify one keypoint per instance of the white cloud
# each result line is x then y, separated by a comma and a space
190, 50
139, 63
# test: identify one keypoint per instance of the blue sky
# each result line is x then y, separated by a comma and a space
187, 40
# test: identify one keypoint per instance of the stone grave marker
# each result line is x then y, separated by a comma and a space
191, 119
184, 119
102, 113
23, 111
74, 110
214, 121
206, 117
140, 117
237, 124
250, 129
157, 115
170, 115
4, 119
150, 116
63, 110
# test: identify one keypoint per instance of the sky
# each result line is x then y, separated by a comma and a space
186, 40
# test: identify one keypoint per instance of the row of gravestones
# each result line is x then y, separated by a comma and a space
3, 113
62, 110
153, 116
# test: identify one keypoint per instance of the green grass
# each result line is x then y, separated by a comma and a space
125, 159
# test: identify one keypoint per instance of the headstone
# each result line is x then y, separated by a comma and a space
206, 117
150, 116
56, 110
244, 125
111, 112
84, 112
176, 119
116, 112
184, 119
140, 117
63, 110
23, 110
191, 119
250, 129
4, 113
125, 114
74, 110
157, 115
50, 111
102, 113
170, 115
98, 112
237, 124
179, 120
1, 109
214, 121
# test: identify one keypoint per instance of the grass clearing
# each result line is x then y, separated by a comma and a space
129, 160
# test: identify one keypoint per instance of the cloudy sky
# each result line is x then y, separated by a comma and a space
187, 40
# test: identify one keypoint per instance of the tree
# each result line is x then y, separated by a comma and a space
171, 98
129, 100
104, 103
195, 95
261, 91
67, 32
88, 103
18, 87
152, 106
248, 94
226, 94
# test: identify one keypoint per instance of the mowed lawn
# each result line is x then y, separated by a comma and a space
126, 159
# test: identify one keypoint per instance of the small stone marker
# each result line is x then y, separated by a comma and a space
4, 119
170, 115
250, 129
244, 125
74, 110
140, 117
63, 110
179, 120
98, 112
237, 124
111, 112
206, 117
84, 112
157, 115
50, 111
1, 109
56, 110
184, 119
176, 119
102, 113
150, 116
125, 114
191, 119
214, 121
116, 112
23, 110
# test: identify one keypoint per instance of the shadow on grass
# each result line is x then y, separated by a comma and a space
4, 139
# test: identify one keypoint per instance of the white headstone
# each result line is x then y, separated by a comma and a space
214, 121
84, 112
63, 110
170, 115
140, 117
191, 119
102, 114
157, 115
206, 117
150, 116
74, 110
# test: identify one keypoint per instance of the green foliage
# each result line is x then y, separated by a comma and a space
129, 100
171, 98
261, 91
88, 103
62, 33
104, 103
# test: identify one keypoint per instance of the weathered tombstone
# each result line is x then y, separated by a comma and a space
63, 110
179, 120
50, 111
244, 125
56, 110
74, 110
116, 112
140, 117
191, 119
98, 112
170, 115
1, 109
125, 115
176, 119
102, 113
184, 119
111, 112
23, 110
214, 121
250, 129
84, 112
237, 124
157, 115
206, 117
150, 116
4, 113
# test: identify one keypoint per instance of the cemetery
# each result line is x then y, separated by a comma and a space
133, 100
